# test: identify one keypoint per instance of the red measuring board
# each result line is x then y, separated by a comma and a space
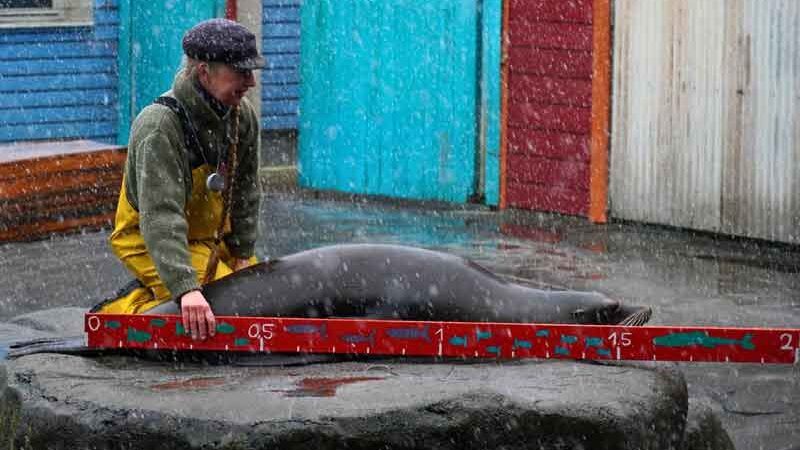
451, 339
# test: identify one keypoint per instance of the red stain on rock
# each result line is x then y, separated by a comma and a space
532, 233
324, 387
552, 252
507, 246
596, 247
591, 276
189, 384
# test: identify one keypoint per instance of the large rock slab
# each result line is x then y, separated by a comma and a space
53, 401
73, 402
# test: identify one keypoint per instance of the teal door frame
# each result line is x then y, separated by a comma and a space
149, 51
489, 93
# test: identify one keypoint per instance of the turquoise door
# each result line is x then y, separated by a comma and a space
150, 49
388, 97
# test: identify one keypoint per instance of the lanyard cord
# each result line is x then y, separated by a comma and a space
227, 198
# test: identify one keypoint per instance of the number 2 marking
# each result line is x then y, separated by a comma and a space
786, 341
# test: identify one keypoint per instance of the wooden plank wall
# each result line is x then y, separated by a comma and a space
280, 80
549, 105
60, 83
49, 187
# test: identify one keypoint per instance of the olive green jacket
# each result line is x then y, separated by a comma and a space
158, 178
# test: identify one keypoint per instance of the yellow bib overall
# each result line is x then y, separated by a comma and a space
203, 215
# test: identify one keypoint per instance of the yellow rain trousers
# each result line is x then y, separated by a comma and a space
203, 215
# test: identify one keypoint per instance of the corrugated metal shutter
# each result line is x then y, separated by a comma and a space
706, 116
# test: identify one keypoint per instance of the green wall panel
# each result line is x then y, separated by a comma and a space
150, 49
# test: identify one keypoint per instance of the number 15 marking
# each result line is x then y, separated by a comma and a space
622, 339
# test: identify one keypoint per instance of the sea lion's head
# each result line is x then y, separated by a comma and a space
603, 310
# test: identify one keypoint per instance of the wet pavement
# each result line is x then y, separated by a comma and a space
688, 278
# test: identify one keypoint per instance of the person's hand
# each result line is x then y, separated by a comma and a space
198, 319
240, 263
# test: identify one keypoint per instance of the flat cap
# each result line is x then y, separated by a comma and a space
225, 41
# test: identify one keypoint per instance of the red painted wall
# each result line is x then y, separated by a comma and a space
549, 105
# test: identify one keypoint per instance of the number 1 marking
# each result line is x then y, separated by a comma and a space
440, 333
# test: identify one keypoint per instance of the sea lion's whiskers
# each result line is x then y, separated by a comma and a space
638, 318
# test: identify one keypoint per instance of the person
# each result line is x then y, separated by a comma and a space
188, 207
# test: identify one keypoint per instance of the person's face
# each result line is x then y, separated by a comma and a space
225, 83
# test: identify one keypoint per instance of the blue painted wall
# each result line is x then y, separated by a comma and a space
393, 95
60, 83
280, 79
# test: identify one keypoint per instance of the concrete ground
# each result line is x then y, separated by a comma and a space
688, 279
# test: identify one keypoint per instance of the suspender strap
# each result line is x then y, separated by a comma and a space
227, 198
196, 159
190, 138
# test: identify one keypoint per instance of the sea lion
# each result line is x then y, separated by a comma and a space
398, 282
377, 282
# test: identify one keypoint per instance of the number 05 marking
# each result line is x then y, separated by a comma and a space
261, 331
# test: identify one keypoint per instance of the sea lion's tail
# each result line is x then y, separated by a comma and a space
67, 345
77, 346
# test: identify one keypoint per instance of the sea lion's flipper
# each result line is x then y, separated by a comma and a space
73, 345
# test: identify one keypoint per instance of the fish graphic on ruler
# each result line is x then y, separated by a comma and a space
135, 335
495, 349
480, 335
320, 330
415, 333
543, 333
569, 339
566, 340
459, 341
521, 343
597, 344
701, 338
359, 338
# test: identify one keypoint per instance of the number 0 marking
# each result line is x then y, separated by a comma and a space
94, 323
